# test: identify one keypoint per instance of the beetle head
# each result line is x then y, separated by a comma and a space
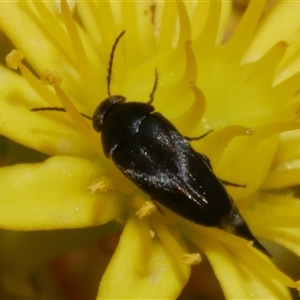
103, 109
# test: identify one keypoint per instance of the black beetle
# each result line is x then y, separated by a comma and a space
150, 151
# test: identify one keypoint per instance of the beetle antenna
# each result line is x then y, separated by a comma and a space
110, 62
57, 109
108, 77
151, 95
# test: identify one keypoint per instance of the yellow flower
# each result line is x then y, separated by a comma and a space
245, 90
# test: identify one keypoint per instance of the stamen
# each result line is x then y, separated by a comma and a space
83, 126
45, 93
146, 210
102, 184
173, 243
51, 78
13, 59
152, 233
192, 259
250, 244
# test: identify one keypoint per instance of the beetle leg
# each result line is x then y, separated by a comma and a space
56, 109
111, 60
225, 182
205, 160
158, 207
151, 96
198, 137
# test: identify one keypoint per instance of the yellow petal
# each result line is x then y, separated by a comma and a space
142, 267
287, 237
51, 133
242, 280
54, 195
276, 217
269, 33
266, 36
38, 247
36, 29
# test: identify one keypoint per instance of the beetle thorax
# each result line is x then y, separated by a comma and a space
103, 109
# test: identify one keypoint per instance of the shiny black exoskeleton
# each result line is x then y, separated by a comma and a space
150, 151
